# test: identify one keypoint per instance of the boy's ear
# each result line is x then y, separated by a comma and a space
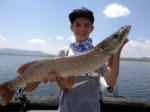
71, 27
92, 28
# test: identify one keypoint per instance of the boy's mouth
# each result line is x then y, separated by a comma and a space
82, 34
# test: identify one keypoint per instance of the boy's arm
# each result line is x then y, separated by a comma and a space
112, 71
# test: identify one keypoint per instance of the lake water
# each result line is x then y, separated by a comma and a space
133, 80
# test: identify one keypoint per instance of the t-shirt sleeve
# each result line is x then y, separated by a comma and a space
63, 52
103, 69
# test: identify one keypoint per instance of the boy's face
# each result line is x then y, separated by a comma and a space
82, 28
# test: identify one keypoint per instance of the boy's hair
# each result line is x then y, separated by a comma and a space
81, 12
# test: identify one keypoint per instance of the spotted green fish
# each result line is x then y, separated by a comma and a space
33, 73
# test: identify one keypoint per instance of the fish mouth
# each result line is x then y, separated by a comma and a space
128, 28
125, 28
123, 32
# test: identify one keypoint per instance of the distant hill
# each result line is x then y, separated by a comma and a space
10, 51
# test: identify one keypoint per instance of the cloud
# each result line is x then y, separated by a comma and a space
49, 39
116, 10
36, 42
139, 39
40, 45
51, 49
2, 39
71, 39
147, 42
136, 49
59, 37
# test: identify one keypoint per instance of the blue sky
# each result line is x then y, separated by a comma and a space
44, 25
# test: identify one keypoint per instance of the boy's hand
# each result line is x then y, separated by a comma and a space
51, 78
124, 43
110, 61
63, 83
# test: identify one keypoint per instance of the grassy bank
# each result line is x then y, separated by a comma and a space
136, 59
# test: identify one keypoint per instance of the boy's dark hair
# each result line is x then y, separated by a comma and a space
81, 12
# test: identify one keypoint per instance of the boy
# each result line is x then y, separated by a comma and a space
81, 94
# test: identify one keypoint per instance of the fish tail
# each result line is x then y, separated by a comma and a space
6, 92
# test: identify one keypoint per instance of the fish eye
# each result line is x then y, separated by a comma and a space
116, 36
102, 47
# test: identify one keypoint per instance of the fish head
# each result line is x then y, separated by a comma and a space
112, 43
121, 35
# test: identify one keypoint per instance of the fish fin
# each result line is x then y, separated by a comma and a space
22, 68
6, 93
31, 86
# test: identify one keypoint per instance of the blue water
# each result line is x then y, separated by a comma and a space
133, 80
9, 66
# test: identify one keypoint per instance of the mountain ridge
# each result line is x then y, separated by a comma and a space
11, 51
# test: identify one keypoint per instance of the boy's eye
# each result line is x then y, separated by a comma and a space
77, 25
87, 25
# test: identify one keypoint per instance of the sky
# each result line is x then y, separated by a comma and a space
43, 25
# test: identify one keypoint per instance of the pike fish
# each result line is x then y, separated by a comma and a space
33, 73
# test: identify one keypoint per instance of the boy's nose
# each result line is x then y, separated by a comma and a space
82, 28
